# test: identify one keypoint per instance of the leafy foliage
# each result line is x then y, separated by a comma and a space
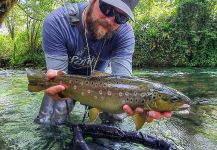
168, 33
183, 35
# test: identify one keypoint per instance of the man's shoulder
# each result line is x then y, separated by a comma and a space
125, 32
61, 12
125, 29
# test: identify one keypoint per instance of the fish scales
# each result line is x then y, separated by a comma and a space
110, 93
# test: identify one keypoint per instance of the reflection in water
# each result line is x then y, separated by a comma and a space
198, 130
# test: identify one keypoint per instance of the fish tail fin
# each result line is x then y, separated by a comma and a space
34, 79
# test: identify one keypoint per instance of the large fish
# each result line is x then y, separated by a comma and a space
109, 93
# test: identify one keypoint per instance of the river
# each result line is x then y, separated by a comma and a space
196, 130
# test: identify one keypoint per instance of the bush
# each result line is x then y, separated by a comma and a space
185, 37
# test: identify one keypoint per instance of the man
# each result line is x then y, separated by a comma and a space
79, 38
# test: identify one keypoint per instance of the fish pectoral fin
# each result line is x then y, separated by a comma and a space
93, 114
99, 74
139, 120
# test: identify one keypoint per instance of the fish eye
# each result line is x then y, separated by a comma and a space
174, 99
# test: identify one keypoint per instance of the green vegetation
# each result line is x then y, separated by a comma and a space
168, 33
176, 33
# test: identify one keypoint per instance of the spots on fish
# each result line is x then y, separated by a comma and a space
82, 93
126, 93
135, 93
109, 93
95, 97
154, 95
88, 91
87, 82
81, 83
76, 81
143, 94
130, 100
96, 85
120, 94
100, 92
70, 81
102, 98
74, 87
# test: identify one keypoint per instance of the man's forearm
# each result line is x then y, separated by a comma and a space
121, 67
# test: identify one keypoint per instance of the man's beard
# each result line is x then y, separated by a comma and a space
92, 26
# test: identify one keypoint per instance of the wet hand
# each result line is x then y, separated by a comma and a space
150, 116
54, 91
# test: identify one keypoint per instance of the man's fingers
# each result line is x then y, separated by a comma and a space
167, 114
55, 90
151, 115
53, 73
139, 110
154, 114
149, 119
128, 110
55, 97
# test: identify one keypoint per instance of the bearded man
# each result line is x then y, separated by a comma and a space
81, 37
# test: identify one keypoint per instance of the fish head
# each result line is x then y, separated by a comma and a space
162, 98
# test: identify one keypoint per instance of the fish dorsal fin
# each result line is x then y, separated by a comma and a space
99, 74
93, 114
139, 120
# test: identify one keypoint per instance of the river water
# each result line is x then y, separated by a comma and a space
197, 130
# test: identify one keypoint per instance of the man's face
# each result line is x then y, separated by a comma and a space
98, 25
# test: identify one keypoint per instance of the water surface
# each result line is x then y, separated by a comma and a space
198, 130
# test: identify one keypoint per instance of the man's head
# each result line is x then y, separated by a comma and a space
105, 16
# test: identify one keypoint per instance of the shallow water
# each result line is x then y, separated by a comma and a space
198, 130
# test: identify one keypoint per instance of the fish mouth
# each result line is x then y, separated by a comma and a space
184, 107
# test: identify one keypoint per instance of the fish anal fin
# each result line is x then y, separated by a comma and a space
139, 120
93, 114
99, 74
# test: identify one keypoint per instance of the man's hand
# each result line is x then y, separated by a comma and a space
54, 91
151, 115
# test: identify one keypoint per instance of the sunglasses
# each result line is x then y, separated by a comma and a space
110, 11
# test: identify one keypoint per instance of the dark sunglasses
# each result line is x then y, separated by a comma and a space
110, 11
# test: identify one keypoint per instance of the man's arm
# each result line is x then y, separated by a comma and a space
121, 67
55, 51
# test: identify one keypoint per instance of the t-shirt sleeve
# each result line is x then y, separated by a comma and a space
121, 60
54, 44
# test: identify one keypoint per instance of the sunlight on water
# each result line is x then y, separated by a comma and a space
198, 130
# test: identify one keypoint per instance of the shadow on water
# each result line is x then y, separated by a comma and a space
197, 130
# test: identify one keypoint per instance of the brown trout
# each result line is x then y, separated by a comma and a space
109, 93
